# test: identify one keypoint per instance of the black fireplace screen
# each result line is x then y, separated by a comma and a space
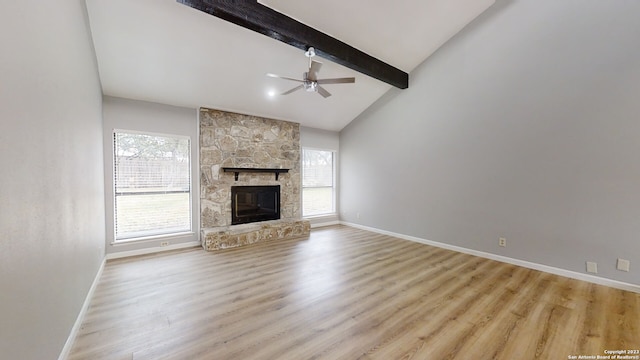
254, 203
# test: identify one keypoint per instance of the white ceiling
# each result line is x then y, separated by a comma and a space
166, 52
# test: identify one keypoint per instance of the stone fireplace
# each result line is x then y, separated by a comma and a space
236, 141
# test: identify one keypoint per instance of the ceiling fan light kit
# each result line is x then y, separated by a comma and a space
310, 81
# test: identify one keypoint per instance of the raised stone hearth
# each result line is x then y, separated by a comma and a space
247, 234
242, 141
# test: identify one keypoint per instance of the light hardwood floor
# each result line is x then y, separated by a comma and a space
346, 293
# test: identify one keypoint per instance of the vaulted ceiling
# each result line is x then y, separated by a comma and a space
163, 51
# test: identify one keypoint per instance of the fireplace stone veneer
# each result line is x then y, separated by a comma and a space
230, 140
246, 234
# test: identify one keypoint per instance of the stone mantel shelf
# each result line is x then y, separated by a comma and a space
237, 171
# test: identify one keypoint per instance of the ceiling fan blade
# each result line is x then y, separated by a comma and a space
322, 91
283, 77
314, 69
337, 81
292, 90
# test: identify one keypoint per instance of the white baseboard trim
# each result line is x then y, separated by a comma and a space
83, 311
122, 254
327, 223
527, 264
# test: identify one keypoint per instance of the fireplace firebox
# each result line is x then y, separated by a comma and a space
254, 203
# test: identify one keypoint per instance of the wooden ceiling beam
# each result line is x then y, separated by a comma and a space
254, 16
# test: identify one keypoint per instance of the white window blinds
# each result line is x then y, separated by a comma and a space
152, 185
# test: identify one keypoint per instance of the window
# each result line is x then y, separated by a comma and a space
318, 195
152, 185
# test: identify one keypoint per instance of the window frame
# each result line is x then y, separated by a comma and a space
334, 161
150, 235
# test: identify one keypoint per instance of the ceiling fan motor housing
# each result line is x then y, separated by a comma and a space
310, 86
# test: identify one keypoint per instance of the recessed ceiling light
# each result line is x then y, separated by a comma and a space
271, 93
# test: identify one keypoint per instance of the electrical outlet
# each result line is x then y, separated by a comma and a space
623, 265
592, 267
358, 215
164, 243
502, 242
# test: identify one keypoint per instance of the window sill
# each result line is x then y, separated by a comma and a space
319, 216
153, 238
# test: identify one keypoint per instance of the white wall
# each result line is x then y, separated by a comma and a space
51, 177
525, 126
319, 139
123, 114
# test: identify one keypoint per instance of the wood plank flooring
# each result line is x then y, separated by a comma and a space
346, 293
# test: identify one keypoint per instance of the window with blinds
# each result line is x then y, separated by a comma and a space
318, 191
152, 185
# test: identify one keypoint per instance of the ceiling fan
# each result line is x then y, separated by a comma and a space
310, 81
